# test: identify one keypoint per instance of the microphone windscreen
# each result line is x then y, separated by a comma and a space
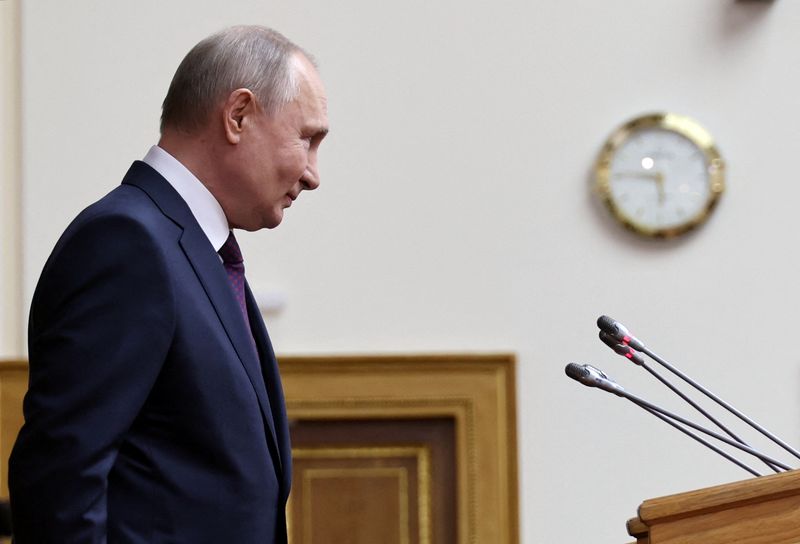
576, 371
607, 324
608, 340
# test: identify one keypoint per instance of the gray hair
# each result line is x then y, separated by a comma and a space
250, 57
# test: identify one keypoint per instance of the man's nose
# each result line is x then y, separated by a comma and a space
310, 179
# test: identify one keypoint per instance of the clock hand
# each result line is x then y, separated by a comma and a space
659, 177
639, 175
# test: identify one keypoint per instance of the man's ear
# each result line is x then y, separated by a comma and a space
240, 104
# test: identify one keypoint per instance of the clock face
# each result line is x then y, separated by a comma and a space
660, 175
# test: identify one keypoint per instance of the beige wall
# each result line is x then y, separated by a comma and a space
455, 212
10, 187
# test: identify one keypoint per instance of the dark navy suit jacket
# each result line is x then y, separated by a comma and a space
150, 418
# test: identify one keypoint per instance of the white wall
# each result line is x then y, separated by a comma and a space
455, 212
10, 187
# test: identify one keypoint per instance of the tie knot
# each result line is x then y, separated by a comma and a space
230, 252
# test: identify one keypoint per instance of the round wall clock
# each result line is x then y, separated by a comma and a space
660, 174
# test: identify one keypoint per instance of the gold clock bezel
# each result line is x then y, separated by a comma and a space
684, 126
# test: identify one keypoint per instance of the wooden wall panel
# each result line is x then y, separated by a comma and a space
425, 448
360, 496
13, 384
475, 392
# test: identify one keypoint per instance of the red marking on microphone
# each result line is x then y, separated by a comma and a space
629, 355
626, 340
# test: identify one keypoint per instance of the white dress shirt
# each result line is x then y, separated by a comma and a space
201, 202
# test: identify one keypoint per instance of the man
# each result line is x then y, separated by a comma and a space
155, 411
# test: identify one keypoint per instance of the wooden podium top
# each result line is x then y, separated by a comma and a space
764, 510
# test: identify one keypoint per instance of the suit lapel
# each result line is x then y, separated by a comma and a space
212, 276
272, 380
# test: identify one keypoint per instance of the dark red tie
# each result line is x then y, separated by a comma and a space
234, 266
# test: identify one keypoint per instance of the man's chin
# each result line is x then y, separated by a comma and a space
264, 223
273, 221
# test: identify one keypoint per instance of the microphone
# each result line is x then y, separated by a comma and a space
588, 375
622, 349
636, 358
593, 377
620, 332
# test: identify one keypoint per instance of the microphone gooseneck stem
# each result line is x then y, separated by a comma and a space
719, 401
703, 441
700, 409
696, 406
645, 404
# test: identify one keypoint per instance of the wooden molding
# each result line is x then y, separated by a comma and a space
763, 510
13, 385
477, 391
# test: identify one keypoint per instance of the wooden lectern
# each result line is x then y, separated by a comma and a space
763, 510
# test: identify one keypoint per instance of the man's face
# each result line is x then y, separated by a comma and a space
278, 157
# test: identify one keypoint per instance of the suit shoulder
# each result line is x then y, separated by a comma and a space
122, 242
124, 226
125, 204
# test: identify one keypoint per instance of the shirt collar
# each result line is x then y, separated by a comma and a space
201, 202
